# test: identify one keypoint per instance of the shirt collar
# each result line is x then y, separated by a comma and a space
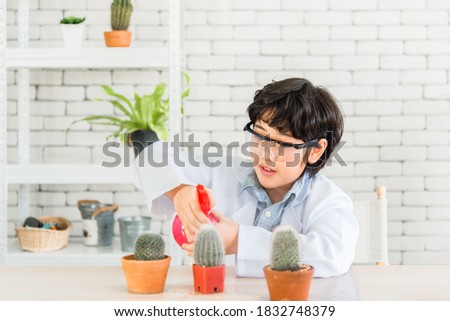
248, 179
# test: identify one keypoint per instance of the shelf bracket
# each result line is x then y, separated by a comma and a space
3, 137
23, 109
175, 87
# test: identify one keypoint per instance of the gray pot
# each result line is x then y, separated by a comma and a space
98, 222
130, 228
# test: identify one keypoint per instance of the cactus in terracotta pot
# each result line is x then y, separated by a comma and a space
285, 250
146, 270
287, 278
121, 11
209, 270
149, 246
209, 249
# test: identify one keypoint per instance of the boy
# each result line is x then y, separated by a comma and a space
294, 127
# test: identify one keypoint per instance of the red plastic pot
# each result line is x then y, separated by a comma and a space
209, 279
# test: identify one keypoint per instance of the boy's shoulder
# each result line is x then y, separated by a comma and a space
323, 180
323, 185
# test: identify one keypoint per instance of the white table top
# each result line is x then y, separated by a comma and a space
108, 283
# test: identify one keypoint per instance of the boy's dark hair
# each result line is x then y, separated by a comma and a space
309, 112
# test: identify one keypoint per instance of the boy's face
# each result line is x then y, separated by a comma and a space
277, 168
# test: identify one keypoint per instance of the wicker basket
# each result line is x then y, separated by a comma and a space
43, 240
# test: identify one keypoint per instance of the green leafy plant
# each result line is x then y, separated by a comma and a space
285, 249
72, 20
148, 247
208, 249
149, 112
121, 11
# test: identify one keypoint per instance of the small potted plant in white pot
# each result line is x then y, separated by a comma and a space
287, 278
209, 268
72, 31
146, 270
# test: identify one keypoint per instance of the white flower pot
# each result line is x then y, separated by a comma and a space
72, 35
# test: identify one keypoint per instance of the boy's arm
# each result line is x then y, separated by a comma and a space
171, 193
161, 178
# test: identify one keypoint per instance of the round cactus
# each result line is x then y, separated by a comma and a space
285, 249
121, 14
149, 246
208, 249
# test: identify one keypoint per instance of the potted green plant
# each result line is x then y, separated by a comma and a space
287, 278
72, 31
209, 267
121, 11
146, 270
142, 122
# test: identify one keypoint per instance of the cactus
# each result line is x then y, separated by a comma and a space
208, 249
285, 249
121, 14
149, 246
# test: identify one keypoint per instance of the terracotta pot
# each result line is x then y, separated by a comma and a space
117, 38
288, 285
144, 277
209, 279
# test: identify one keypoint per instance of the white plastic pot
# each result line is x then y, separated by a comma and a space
72, 35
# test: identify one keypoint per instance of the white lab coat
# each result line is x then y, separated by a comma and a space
323, 217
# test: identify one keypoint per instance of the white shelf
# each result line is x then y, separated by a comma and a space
87, 58
68, 174
75, 253
24, 58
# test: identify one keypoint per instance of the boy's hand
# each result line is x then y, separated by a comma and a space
188, 209
228, 230
189, 248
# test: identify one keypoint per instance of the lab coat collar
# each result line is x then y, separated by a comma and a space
303, 189
246, 213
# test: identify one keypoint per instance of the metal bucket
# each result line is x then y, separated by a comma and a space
98, 222
130, 228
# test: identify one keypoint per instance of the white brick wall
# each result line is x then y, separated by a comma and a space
387, 61
405, 213
67, 155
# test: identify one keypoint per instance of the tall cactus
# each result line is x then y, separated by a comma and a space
286, 249
149, 246
208, 249
121, 14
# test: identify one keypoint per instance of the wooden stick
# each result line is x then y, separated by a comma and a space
381, 192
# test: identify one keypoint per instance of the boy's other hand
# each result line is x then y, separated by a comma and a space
229, 231
189, 248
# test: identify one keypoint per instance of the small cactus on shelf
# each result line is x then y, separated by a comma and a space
209, 250
286, 248
148, 247
121, 11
